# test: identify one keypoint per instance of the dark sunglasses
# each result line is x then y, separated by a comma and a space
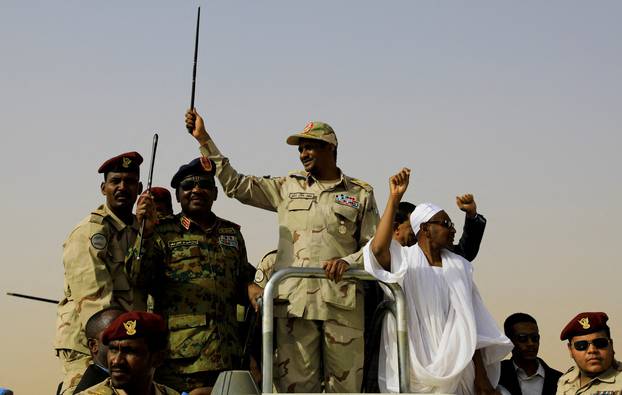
189, 183
444, 223
523, 338
582, 345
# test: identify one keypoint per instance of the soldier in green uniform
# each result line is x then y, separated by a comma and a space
100, 271
325, 218
202, 272
136, 343
591, 347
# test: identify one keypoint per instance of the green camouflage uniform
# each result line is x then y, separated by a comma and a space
106, 388
607, 383
200, 277
99, 272
317, 222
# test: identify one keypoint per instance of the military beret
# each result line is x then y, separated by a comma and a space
126, 162
314, 131
196, 166
585, 323
137, 324
160, 193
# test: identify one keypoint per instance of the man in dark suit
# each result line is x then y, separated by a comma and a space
525, 373
98, 369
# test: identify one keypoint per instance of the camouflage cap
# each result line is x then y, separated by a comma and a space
314, 131
126, 162
584, 324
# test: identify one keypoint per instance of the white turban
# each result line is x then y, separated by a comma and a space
422, 213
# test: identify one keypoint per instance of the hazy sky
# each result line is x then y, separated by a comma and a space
516, 102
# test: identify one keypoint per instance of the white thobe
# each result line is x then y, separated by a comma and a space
447, 321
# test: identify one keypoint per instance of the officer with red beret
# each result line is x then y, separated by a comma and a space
591, 347
136, 343
98, 267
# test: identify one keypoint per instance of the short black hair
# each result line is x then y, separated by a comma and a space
404, 209
508, 324
96, 324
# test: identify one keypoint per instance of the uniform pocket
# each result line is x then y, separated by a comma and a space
188, 335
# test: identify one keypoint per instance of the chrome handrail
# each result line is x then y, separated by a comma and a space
305, 272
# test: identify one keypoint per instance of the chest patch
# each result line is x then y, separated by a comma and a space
347, 200
227, 240
183, 243
98, 241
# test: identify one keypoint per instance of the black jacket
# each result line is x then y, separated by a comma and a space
92, 375
510, 382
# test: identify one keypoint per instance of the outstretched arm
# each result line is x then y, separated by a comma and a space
473, 231
384, 233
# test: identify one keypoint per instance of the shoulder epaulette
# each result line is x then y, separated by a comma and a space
97, 218
228, 224
297, 174
269, 253
570, 369
363, 184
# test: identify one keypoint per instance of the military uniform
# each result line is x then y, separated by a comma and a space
99, 273
607, 383
318, 221
201, 276
106, 388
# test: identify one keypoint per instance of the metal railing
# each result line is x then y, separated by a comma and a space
300, 272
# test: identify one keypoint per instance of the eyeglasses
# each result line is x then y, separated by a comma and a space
582, 345
189, 183
444, 223
523, 338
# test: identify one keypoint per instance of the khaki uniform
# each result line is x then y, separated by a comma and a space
201, 275
106, 388
608, 383
99, 273
317, 222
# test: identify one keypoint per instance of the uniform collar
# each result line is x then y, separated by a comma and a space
608, 376
118, 224
311, 180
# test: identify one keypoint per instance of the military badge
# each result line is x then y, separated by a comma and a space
98, 241
585, 323
206, 164
259, 276
229, 241
130, 327
126, 162
346, 200
308, 127
342, 229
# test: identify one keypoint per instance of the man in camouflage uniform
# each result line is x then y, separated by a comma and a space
136, 343
591, 347
202, 272
100, 270
325, 218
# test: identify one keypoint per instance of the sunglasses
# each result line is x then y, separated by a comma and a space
600, 343
444, 223
523, 338
189, 183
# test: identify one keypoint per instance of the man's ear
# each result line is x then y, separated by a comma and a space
570, 349
101, 188
93, 346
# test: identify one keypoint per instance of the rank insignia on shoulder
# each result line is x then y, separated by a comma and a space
185, 222
229, 241
346, 200
130, 327
98, 241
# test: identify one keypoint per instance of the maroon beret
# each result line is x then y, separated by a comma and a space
134, 325
585, 323
126, 162
160, 193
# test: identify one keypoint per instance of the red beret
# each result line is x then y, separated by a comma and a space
126, 162
134, 325
584, 324
160, 193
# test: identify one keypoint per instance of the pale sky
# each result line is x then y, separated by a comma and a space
515, 102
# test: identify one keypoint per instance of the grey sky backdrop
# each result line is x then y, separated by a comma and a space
518, 103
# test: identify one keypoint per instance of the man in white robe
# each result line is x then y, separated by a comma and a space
454, 343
